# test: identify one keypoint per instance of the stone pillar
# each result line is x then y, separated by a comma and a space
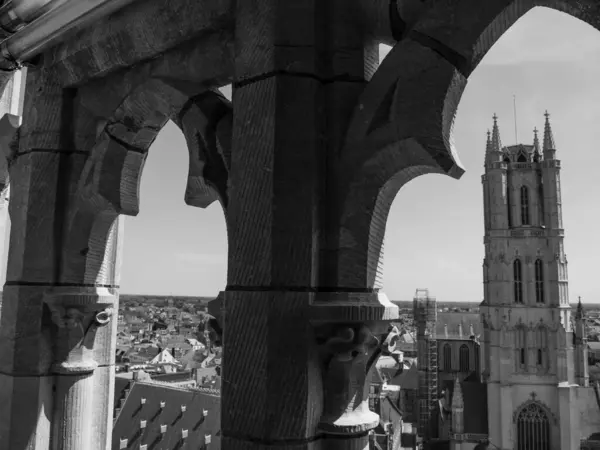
297, 344
77, 317
63, 255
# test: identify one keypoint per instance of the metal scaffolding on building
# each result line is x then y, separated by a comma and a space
425, 318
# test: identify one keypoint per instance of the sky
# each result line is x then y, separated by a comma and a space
434, 236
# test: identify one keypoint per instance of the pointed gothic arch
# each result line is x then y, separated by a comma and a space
533, 431
524, 205
518, 281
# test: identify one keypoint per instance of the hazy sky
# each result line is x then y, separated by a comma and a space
435, 230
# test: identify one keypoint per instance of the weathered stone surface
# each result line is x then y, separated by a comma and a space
276, 405
278, 183
140, 32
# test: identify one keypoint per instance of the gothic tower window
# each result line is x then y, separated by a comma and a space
524, 205
533, 428
518, 281
542, 346
447, 358
520, 348
539, 281
464, 358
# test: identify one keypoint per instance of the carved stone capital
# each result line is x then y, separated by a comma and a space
77, 317
348, 351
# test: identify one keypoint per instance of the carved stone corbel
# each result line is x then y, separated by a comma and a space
352, 331
77, 322
348, 353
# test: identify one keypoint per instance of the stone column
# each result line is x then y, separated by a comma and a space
77, 317
291, 376
63, 254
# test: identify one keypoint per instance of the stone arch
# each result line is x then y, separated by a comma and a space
533, 429
399, 130
538, 403
109, 180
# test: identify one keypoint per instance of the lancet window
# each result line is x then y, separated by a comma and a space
464, 356
521, 348
518, 281
539, 281
541, 337
524, 205
447, 358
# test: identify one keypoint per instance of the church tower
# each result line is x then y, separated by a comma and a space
527, 350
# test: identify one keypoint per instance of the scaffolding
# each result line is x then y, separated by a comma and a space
425, 318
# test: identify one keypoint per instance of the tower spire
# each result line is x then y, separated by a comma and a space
496, 143
488, 148
537, 154
549, 145
579, 311
457, 395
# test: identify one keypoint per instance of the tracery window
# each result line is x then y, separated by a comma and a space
520, 348
447, 358
464, 358
539, 281
518, 281
524, 205
533, 428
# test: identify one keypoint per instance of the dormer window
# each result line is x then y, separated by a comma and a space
522, 158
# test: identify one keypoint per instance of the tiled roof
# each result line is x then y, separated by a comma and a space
120, 386
166, 417
452, 321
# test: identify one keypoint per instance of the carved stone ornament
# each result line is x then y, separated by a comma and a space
76, 319
348, 353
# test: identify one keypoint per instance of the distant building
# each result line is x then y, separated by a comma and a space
534, 351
